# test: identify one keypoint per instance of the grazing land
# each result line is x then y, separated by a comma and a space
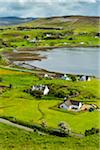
19, 42
68, 31
16, 103
16, 139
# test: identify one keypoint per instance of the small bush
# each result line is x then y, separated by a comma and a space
44, 124
60, 94
70, 38
58, 132
92, 131
36, 93
0, 79
36, 127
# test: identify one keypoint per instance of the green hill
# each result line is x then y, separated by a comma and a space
74, 23
67, 31
12, 138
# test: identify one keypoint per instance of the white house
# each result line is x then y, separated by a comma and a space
65, 77
81, 42
43, 88
85, 78
46, 90
46, 76
64, 106
48, 35
89, 79
71, 104
33, 41
33, 88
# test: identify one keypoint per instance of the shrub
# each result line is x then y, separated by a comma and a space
60, 94
73, 92
0, 79
92, 131
44, 124
70, 38
37, 93
36, 127
58, 132
10, 86
64, 127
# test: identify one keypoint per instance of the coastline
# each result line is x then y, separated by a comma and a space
52, 47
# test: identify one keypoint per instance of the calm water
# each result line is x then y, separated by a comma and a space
71, 60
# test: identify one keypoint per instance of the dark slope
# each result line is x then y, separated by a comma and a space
13, 20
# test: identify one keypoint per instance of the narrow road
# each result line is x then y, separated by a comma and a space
7, 122
77, 135
15, 125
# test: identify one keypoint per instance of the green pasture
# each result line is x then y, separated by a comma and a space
17, 139
16, 103
15, 38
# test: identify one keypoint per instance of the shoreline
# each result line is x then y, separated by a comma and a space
21, 62
44, 71
53, 47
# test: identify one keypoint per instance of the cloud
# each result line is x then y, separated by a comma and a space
45, 8
48, 1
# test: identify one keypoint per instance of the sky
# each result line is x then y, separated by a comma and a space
47, 8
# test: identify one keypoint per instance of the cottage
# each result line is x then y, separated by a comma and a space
43, 88
48, 35
46, 76
65, 43
81, 42
46, 90
85, 78
65, 77
33, 41
71, 104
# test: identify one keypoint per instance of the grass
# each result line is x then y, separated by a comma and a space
17, 139
14, 38
14, 102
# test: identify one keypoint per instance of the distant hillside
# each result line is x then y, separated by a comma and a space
73, 23
13, 20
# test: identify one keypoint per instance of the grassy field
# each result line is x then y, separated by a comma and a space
22, 106
10, 41
15, 103
12, 138
72, 31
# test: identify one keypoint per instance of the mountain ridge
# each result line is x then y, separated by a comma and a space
13, 20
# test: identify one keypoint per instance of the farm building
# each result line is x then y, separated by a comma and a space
65, 77
85, 78
71, 104
43, 88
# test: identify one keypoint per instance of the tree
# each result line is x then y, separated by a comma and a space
92, 131
26, 37
10, 86
64, 127
37, 93
60, 93
44, 124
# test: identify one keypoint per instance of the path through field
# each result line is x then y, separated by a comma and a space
42, 113
15, 125
7, 122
